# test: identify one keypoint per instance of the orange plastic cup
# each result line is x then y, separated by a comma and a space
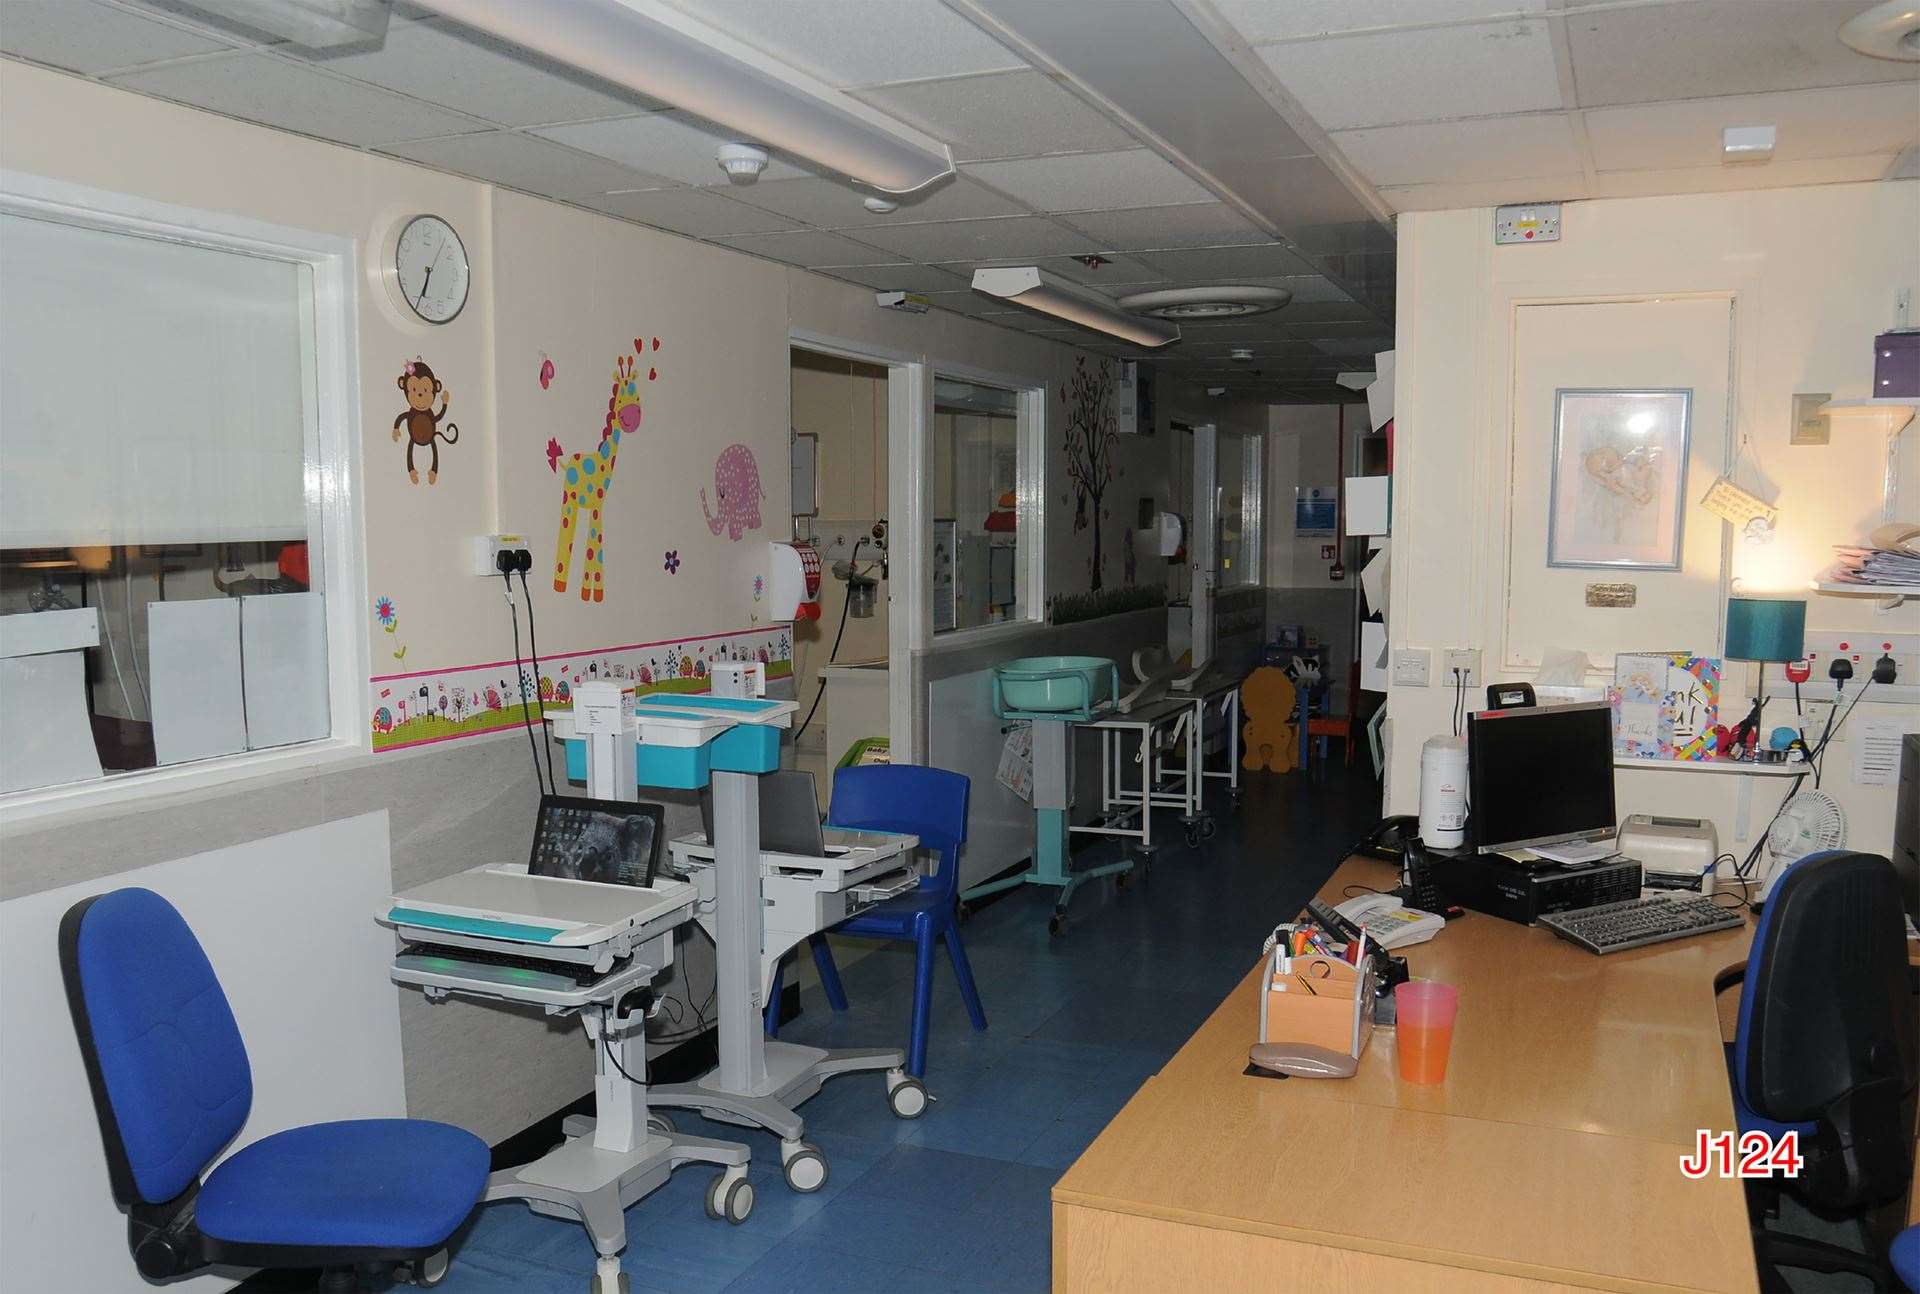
1425, 1011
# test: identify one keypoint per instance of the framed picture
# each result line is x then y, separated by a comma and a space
1619, 478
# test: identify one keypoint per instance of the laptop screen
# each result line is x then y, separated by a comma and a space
609, 841
789, 814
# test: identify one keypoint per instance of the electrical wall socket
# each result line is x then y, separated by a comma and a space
1467, 661
486, 549
1411, 666
1861, 647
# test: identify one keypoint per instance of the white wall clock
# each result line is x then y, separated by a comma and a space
430, 272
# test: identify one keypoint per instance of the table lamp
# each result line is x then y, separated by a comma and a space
1764, 629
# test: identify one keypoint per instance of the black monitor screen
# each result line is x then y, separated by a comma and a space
1540, 774
610, 841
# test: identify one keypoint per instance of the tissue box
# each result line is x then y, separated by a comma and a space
1896, 365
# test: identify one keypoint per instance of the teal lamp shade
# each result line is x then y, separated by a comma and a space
1766, 629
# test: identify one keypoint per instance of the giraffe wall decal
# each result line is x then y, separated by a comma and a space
585, 479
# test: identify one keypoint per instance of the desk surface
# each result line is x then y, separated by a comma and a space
1550, 1154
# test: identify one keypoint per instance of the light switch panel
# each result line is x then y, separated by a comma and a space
1411, 665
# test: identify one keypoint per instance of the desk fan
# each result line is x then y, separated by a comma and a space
1810, 822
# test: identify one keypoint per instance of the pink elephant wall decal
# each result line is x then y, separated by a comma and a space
736, 485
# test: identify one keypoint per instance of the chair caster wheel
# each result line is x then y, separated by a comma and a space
730, 1198
661, 1124
426, 1273
906, 1095
805, 1167
1056, 924
1121, 880
1207, 828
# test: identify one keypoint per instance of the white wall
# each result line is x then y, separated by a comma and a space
1812, 272
287, 923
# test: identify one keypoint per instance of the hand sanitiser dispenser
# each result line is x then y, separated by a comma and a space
1443, 792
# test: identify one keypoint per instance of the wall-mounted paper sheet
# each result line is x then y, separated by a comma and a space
283, 656
49, 740
193, 648
1373, 656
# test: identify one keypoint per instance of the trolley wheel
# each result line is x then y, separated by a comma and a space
1234, 798
1056, 924
1193, 836
805, 1167
661, 1124
906, 1095
1207, 827
426, 1273
730, 1198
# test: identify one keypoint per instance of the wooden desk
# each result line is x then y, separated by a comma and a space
1548, 1160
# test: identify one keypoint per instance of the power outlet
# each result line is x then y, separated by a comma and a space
1411, 665
1467, 661
487, 548
1861, 648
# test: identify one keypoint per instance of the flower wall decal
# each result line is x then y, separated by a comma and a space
672, 563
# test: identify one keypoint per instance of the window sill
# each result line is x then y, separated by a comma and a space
955, 639
35, 810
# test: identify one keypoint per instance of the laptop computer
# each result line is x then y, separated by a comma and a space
790, 818
610, 841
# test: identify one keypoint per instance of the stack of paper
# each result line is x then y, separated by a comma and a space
1891, 556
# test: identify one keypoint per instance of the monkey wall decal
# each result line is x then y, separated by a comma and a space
420, 420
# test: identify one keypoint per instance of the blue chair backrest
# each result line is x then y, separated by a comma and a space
930, 803
169, 1072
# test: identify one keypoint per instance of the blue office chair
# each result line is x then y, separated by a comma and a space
172, 1086
1826, 1047
1905, 1257
930, 803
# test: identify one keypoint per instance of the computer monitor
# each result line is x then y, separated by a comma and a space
614, 842
1540, 775
789, 814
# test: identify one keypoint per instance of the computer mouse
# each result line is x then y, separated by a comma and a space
1302, 1060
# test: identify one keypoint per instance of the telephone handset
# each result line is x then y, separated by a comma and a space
1389, 840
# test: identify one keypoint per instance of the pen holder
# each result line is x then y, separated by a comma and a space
1319, 1000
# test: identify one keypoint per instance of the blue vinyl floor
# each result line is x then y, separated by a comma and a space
958, 1199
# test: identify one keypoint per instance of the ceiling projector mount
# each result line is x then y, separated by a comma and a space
1187, 304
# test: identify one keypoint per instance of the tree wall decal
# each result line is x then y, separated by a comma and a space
1091, 443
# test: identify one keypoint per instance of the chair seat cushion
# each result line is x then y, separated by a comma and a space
895, 917
1906, 1257
1747, 1121
365, 1183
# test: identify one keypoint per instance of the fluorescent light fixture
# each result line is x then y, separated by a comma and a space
1747, 143
315, 24
1035, 289
656, 50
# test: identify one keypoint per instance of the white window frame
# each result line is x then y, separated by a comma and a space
1032, 397
333, 457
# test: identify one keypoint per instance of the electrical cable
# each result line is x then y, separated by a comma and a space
1814, 762
526, 706
821, 689
614, 1057
533, 646
133, 649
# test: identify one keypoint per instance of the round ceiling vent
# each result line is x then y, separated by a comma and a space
1206, 303
1889, 30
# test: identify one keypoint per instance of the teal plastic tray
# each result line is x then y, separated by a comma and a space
1054, 687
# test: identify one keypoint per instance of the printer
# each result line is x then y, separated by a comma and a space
1674, 853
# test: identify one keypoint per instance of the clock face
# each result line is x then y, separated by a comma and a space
430, 265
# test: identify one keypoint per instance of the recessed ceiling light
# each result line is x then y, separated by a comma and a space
1206, 303
1890, 30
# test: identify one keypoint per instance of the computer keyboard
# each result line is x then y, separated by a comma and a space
1616, 927
509, 967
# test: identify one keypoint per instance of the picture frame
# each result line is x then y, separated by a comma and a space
1618, 491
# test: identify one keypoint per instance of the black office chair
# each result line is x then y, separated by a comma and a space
1826, 1047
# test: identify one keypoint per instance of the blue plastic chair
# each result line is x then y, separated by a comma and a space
1905, 1257
172, 1086
930, 803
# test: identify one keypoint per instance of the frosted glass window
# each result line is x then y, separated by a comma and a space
1237, 510
975, 469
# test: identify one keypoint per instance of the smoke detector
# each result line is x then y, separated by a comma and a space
1890, 30
880, 206
1206, 303
742, 162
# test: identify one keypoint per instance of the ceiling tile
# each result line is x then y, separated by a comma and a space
1430, 75
522, 162
1493, 148
1199, 224
835, 204
1085, 181
1714, 179
1264, 20
471, 72
92, 38
860, 42
1229, 262
960, 240
1265, 350
274, 91
1717, 47
1119, 272
1346, 346
662, 143
1015, 114
905, 277
1487, 193
689, 211
1845, 121
806, 247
